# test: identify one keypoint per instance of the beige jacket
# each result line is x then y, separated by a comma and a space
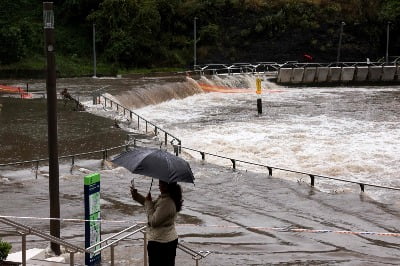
161, 216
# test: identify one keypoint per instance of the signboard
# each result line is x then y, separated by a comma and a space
258, 86
92, 212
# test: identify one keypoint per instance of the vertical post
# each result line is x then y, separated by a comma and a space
387, 42
48, 18
258, 91
145, 249
194, 44
94, 50
340, 41
71, 259
23, 249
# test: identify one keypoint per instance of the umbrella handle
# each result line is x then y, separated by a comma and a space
151, 185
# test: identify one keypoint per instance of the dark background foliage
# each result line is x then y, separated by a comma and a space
159, 33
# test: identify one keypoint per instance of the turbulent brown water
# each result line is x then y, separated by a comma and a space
242, 217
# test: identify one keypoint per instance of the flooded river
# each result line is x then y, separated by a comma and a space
244, 217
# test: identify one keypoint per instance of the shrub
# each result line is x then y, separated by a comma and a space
4, 249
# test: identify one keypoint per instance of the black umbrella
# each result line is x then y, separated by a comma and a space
156, 163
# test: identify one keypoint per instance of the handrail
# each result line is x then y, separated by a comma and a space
139, 117
312, 176
66, 156
25, 230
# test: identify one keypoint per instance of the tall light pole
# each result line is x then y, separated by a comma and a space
48, 19
387, 42
340, 41
94, 50
194, 44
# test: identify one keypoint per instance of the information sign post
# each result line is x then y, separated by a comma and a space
92, 217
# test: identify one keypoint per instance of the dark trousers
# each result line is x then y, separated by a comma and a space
162, 254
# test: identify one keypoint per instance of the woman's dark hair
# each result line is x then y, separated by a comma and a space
175, 192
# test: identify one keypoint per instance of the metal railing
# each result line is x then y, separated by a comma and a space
270, 168
127, 112
110, 242
72, 157
268, 67
25, 230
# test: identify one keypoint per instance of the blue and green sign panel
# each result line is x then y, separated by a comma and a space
92, 213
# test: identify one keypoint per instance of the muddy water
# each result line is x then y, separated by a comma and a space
243, 217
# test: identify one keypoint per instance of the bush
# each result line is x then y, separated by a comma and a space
4, 249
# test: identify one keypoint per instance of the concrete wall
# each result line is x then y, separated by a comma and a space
374, 73
297, 75
322, 74
334, 74
388, 73
347, 74
285, 75
309, 74
361, 73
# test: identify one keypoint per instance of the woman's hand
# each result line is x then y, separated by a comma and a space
148, 197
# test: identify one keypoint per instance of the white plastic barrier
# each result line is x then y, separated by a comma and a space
284, 75
297, 75
322, 74
374, 73
347, 74
389, 73
361, 73
334, 74
309, 74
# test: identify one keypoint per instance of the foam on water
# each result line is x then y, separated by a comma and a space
330, 142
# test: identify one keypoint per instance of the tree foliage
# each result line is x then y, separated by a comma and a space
147, 33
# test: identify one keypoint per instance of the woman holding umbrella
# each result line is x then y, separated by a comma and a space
161, 215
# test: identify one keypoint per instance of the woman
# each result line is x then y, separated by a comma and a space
161, 216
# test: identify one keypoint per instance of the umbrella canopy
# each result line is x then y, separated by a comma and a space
156, 163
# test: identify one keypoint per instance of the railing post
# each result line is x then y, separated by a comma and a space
269, 171
146, 126
166, 139
73, 161
138, 122
362, 187
112, 255
130, 114
233, 163
145, 249
37, 168
155, 130
71, 259
312, 180
23, 249
203, 155
176, 150
180, 146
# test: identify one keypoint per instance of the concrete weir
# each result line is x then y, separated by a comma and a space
345, 74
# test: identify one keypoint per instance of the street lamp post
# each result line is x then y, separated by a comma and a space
340, 41
94, 50
387, 42
48, 18
194, 44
